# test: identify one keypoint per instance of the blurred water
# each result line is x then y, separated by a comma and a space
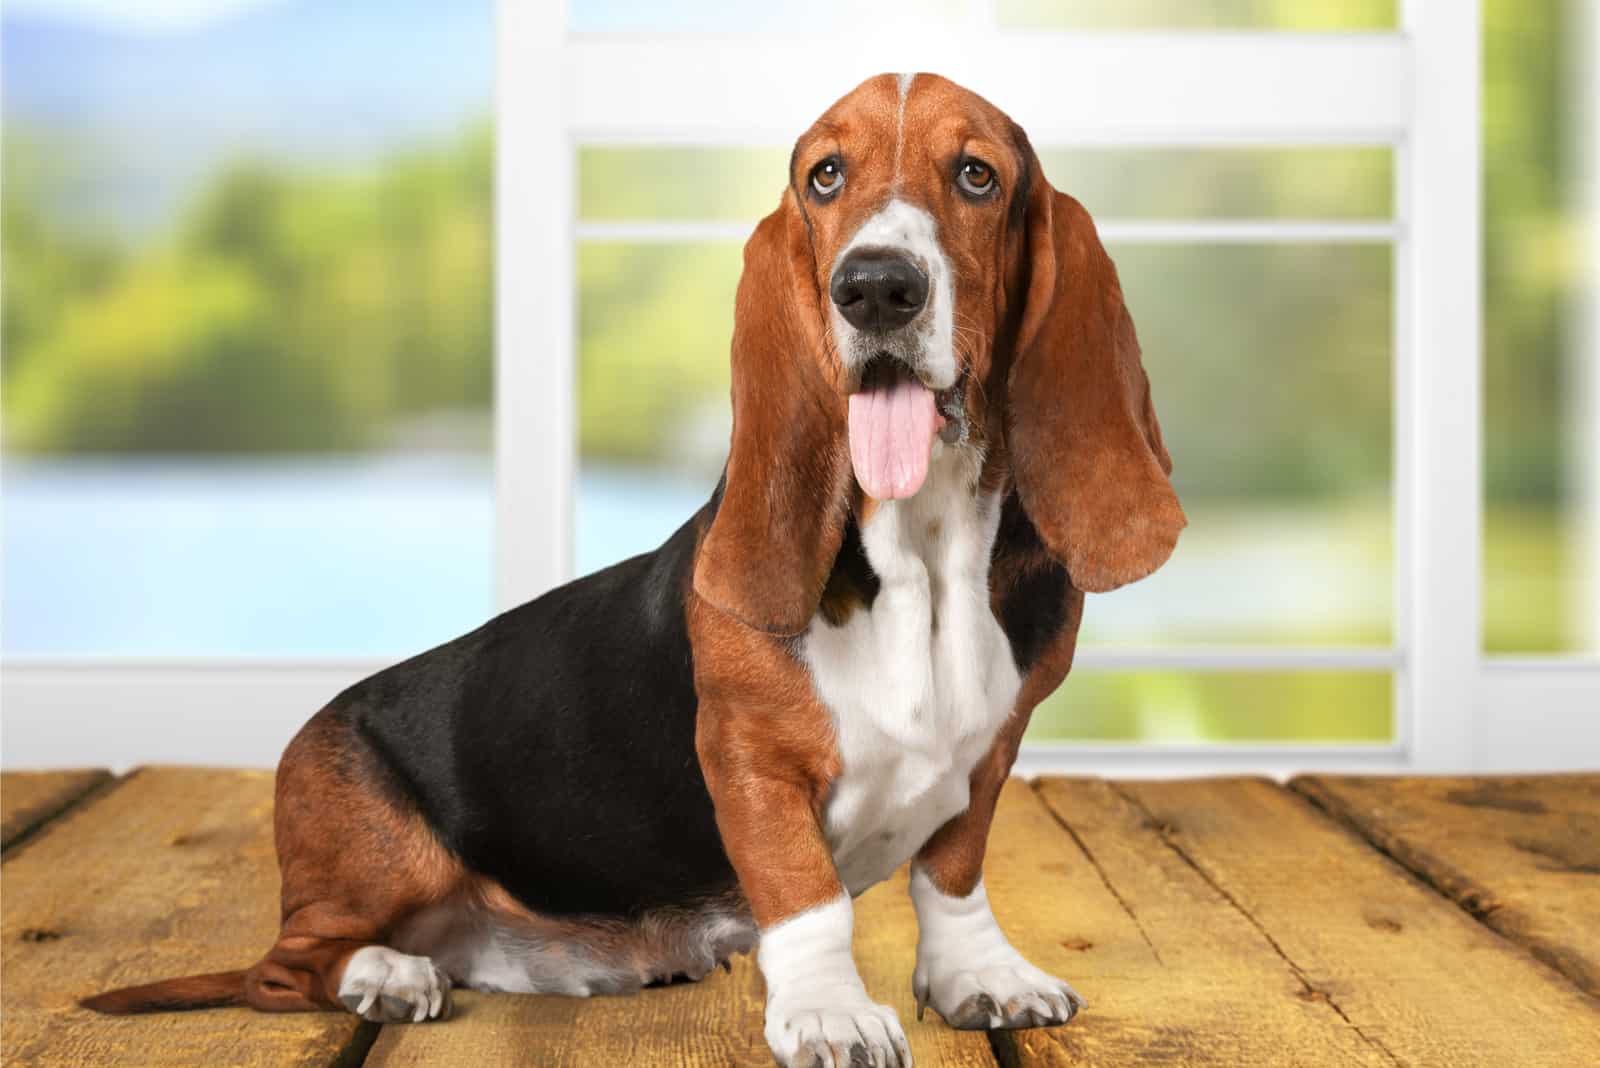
317, 557
389, 555
242, 558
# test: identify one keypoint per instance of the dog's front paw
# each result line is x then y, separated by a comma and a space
835, 1029
387, 986
1005, 993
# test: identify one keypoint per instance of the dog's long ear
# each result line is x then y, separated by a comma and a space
1085, 445
766, 557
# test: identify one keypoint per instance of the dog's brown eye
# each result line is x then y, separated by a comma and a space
827, 177
976, 177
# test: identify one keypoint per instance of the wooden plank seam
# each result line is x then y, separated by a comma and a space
1311, 990
1101, 872
97, 785
1449, 882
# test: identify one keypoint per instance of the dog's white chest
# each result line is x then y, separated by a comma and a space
918, 684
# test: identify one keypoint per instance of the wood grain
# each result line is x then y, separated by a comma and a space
1173, 973
1418, 977
30, 798
715, 1022
169, 873
1522, 854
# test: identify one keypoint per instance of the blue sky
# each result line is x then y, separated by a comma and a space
156, 16
150, 15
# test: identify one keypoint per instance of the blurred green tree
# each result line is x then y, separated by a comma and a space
285, 312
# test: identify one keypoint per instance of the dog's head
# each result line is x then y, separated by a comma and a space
920, 281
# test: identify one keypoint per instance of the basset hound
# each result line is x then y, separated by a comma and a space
942, 437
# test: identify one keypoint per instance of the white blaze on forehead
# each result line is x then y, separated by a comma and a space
903, 83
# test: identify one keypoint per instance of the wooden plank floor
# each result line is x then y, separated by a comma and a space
1520, 854
33, 798
1213, 922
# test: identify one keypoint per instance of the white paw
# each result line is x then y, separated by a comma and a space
841, 1029
999, 995
387, 986
818, 1013
969, 972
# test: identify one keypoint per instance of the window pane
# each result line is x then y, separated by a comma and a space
641, 183
735, 16
732, 16
654, 326
1541, 549
1220, 706
1322, 182
1199, 14
247, 328
1271, 375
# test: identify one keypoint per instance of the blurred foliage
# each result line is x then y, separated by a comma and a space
1531, 240
1218, 706
48, 268
1270, 365
654, 327
684, 182
1533, 282
283, 312
1236, 182
1200, 14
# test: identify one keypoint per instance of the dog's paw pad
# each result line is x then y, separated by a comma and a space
386, 986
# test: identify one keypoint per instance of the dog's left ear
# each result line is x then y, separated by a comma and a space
770, 547
1084, 441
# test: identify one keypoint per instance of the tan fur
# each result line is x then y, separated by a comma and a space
767, 555
355, 864
766, 748
1085, 445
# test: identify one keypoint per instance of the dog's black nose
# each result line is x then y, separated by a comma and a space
878, 291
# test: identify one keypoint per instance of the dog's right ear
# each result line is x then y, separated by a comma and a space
777, 529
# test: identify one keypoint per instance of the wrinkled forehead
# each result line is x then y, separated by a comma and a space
899, 130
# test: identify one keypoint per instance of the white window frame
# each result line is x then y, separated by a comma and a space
1416, 90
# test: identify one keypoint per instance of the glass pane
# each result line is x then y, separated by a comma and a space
247, 328
1270, 368
732, 16
634, 183
654, 326
1199, 14
1541, 549
1323, 182
736, 16
1220, 706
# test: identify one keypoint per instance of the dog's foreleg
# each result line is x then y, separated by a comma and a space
966, 968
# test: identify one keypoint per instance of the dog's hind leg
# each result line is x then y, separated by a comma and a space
358, 861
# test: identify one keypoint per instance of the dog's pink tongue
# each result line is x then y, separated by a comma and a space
891, 435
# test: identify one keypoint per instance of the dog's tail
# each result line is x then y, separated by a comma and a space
173, 995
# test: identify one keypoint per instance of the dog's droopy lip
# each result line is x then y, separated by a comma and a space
952, 409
